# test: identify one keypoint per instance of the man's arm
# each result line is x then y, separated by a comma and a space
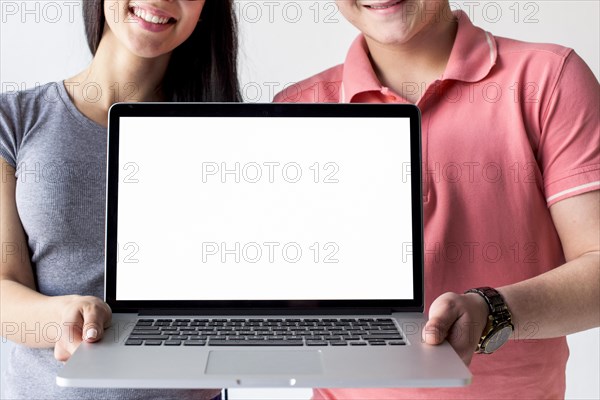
559, 302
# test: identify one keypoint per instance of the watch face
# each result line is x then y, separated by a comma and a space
497, 338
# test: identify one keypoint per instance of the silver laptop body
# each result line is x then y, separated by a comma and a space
264, 245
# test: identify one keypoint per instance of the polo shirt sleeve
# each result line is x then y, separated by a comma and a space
569, 148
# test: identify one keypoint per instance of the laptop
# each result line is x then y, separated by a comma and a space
264, 245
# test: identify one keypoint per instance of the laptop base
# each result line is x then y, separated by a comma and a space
111, 364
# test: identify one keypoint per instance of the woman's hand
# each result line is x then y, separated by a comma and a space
459, 318
83, 318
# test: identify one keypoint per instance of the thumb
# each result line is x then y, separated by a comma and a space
93, 325
443, 313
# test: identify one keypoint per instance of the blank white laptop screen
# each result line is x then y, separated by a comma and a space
264, 209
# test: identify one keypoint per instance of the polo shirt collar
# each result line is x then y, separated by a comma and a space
474, 52
359, 75
472, 57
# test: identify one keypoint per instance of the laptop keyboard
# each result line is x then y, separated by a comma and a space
266, 332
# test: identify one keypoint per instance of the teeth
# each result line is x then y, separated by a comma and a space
148, 17
382, 7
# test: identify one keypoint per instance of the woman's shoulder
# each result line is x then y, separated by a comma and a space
14, 98
21, 110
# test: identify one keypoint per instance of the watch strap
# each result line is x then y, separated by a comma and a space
493, 298
499, 313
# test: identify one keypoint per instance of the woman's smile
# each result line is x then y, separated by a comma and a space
150, 18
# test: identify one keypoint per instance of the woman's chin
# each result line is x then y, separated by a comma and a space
148, 50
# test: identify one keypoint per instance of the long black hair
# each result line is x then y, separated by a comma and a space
204, 67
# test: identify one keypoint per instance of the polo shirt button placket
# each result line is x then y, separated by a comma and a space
389, 95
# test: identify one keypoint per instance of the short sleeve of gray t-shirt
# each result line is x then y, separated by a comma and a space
60, 160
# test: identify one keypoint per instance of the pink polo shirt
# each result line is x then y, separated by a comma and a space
508, 130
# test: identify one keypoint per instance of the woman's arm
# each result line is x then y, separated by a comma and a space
27, 316
557, 303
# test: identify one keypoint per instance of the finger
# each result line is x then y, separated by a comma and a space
97, 317
107, 315
93, 323
70, 337
60, 352
443, 313
461, 340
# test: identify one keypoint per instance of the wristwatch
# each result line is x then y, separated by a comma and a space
499, 326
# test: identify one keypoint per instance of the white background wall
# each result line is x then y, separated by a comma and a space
283, 42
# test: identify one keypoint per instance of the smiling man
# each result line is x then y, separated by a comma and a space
511, 155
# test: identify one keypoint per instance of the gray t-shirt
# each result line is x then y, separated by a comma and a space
60, 161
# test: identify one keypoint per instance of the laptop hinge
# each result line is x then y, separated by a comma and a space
268, 311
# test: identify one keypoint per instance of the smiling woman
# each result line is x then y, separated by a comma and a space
51, 280
196, 47
175, 22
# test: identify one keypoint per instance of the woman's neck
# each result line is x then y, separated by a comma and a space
116, 75
410, 67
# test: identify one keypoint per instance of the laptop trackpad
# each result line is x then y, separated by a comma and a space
273, 362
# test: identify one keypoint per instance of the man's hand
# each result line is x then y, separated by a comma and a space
459, 318
83, 319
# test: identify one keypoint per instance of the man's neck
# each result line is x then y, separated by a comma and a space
410, 67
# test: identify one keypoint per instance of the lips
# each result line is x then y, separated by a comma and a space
152, 15
383, 5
